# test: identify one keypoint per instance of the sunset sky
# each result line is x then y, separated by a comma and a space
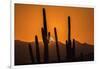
29, 20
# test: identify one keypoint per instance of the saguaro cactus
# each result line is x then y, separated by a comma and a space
45, 37
68, 44
57, 46
44, 22
69, 31
37, 49
31, 53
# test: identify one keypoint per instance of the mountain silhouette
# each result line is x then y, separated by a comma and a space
22, 55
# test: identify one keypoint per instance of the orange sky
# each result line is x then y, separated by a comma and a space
29, 20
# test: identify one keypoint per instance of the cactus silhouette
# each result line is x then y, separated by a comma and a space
68, 43
57, 46
69, 31
37, 49
45, 37
44, 22
70, 50
31, 53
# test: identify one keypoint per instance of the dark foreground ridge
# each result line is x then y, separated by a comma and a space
83, 52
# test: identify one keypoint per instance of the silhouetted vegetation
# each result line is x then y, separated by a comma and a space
45, 36
37, 49
70, 46
57, 46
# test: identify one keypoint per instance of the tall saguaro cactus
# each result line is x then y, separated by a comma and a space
69, 30
68, 44
45, 37
37, 49
57, 46
31, 53
69, 33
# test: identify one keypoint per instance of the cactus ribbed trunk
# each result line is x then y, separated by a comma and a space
57, 46
37, 49
31, 53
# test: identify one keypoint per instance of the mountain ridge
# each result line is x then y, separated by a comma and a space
22, 55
